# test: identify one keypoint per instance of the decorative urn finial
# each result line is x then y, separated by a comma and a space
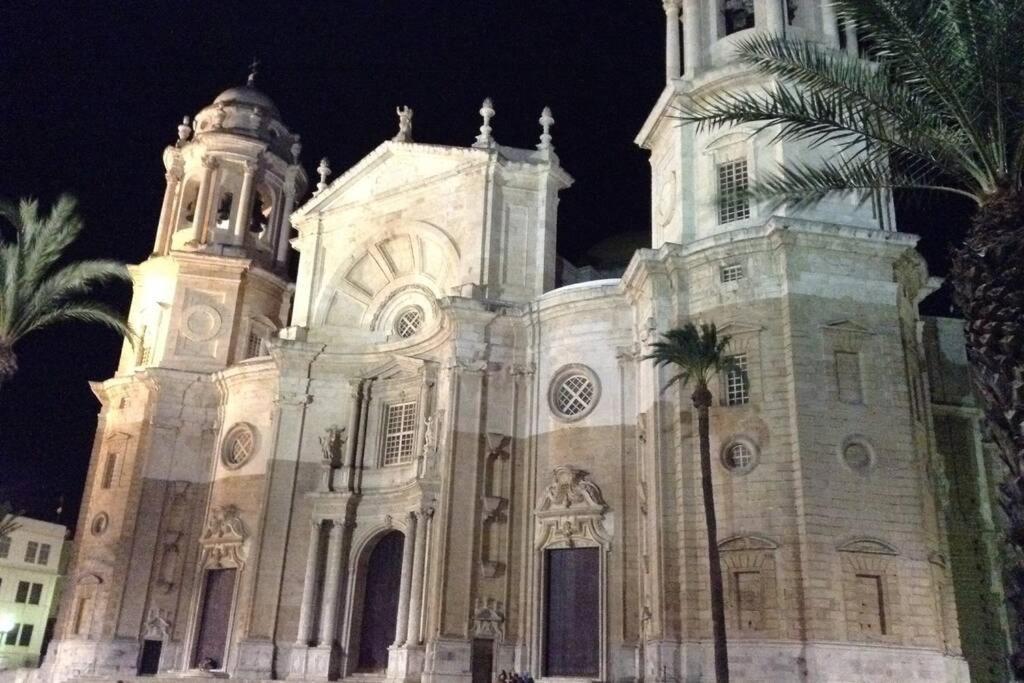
404, 124
184, 131
546, 121
484, 140
324, 169
253, 70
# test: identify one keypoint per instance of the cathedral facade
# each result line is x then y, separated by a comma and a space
427, 460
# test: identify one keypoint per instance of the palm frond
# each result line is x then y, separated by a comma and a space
87, 312
696, 352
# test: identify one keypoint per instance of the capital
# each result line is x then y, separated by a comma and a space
251, 166
210, 162
671, 6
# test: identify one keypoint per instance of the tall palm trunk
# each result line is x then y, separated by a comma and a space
8, 362
988, 272
702, 402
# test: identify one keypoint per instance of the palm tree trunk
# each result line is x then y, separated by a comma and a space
988, 273
8, 362
702, 402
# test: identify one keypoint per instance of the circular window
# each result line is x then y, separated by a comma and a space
99, 524
574, 392
858, 455
239, 445
739, 456
409, 322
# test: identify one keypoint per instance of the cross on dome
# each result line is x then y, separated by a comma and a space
253, 70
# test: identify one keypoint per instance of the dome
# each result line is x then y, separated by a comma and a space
249, 96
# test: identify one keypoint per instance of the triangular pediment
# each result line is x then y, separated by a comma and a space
394, 368
738, 327
390, 168
847, 326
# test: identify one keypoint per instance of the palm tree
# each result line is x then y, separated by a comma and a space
939, 106
697, 355
8, 520
34, 292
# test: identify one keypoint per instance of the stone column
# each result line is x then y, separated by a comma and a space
775, 19
309, 587
401, 627
245, 199
329, 606
691, 37
829, 23
163, 230
284, 226
200, 223
852, 48
416, 591
672, 55
349, 463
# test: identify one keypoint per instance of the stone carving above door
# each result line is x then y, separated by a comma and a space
223, 539
571, 511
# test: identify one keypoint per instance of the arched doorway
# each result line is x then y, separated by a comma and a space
380, 602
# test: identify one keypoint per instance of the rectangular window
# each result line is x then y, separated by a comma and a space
737, 382
35, 594
12, 635
22, 594
848, 377
747, 587
870, 604
733, 204
5, 546
399, 432
30, 552
253, 345
109, 467
26, 635
732, 273
44, 554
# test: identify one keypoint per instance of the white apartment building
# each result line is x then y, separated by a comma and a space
29, 585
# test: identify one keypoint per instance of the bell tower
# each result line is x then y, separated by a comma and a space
215, 285
695, 175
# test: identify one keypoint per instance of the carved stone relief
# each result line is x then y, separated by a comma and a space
571, 509
223, 540
489, 619
332, 450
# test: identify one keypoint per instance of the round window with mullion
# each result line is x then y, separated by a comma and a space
574, 392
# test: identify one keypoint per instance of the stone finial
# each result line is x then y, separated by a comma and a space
546, 121
404, 124
296, 150
484, 140
324, 169
253, 70
184, 131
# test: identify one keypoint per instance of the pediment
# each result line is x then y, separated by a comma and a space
747, 543
738, 327
871, 546
846, 326
391, 167
394, 368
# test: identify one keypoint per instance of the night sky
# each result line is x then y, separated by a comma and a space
93, 91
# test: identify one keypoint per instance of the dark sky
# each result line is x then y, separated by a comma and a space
91, 92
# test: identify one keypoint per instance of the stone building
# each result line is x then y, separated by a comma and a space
425, 460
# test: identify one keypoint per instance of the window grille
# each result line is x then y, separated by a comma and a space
21, 596
30, 551
44, 554
574, 395
409, 322
36, 594
12, 635
737, 382
739, 457
399, 432
26, 635
253, 345
732, 273
5, 546
733, 181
